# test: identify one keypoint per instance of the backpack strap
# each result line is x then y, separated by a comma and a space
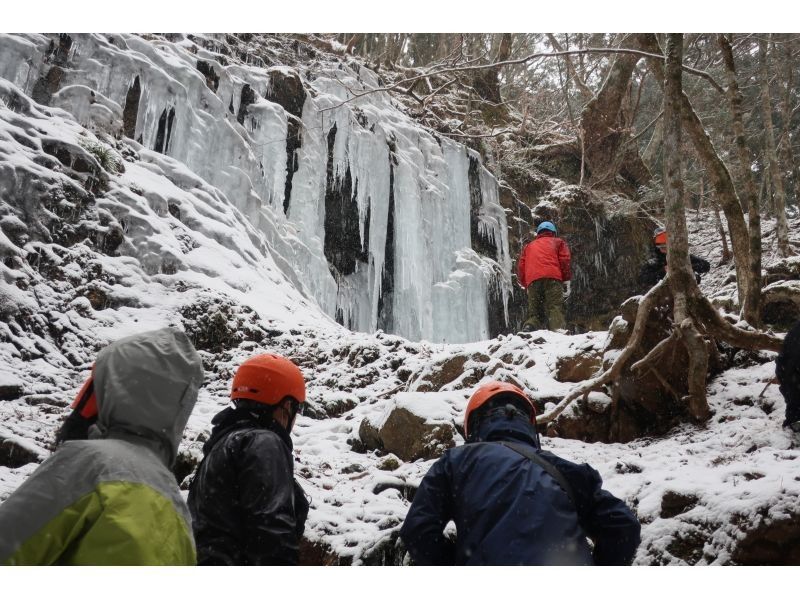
533, 455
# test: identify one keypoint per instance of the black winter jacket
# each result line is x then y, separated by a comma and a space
654, 268
787, 369
246, 507
509, 511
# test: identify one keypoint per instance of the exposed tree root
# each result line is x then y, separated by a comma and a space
613, 372
704, 318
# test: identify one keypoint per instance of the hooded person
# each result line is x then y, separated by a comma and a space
111, 499
247, 508
544, 271
513, 503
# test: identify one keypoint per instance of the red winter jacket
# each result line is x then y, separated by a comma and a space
547, 256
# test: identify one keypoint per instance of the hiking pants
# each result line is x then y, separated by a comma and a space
546, 304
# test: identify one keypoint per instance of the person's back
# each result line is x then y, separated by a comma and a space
508, 510
544, 271
243, 498
112, 499
246, 507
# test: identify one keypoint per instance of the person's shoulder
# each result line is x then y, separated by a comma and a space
571, 468
261, 438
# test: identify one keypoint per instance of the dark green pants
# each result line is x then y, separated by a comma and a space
546, 304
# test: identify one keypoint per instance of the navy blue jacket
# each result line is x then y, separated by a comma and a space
509, 511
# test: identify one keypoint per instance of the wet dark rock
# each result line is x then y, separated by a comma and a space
389, 464
675, 503
622, 467
441, 373
212, 78
330, 408
354, 468
369, 436
342, 246
410, 437
688, 544
97, 296
780, 304
248, 97
482, 242
185, 464
580, 422
578, 367
407, 490
386, 299
10, 392
164, 132
131, 111
319, 554
286, 89
775, 541
14, 454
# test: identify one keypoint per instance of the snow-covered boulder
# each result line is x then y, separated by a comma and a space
578, 367
415, 425
588, 420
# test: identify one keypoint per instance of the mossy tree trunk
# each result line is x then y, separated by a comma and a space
751, 308
775, 173
606, 136
681, 279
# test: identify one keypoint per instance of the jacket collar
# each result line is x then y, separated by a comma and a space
230, 419
501, 428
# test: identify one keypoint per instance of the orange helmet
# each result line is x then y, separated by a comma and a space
660, 236
268, 379
487, 391
85, 402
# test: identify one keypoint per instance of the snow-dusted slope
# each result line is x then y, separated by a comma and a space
371, 216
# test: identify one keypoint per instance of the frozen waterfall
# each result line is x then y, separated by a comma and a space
380, 222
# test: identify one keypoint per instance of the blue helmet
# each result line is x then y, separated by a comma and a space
546, 225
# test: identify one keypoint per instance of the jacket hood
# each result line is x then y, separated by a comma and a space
146, 387
501, 428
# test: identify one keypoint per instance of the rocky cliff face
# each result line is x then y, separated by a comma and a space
373, 218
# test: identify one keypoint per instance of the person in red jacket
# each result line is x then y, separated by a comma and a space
544, 270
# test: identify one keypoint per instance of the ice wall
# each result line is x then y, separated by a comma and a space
380, 222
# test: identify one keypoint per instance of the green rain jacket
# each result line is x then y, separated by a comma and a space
112, 499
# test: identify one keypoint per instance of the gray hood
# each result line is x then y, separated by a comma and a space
146, 387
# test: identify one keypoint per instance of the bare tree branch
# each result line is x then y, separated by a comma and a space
398, 86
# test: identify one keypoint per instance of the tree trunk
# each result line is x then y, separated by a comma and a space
650, 154
785, 145
718, 175
726, 252
607, 140
487, 81
776, 177
681, 279
751, 307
